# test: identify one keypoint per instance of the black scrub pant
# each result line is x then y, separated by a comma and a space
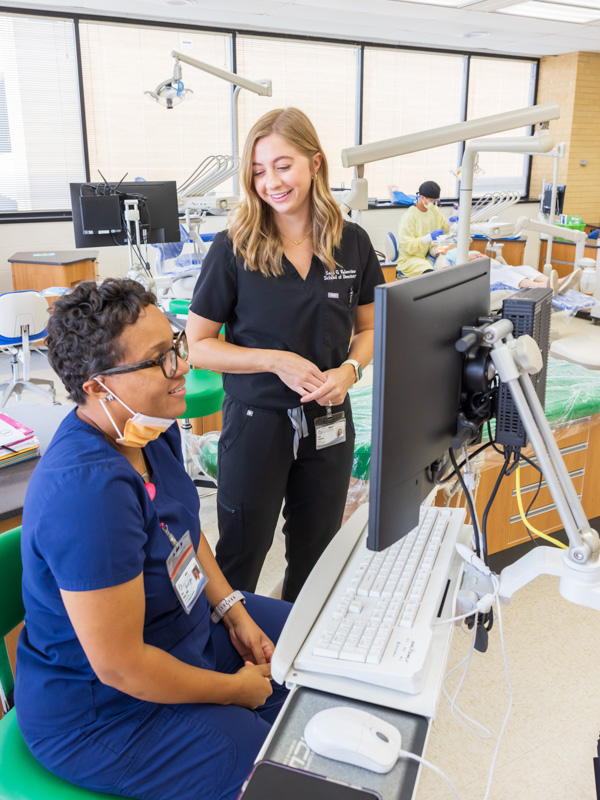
257, 472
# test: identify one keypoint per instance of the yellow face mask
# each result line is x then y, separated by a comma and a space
140, 428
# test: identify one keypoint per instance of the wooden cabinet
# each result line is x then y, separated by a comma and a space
39, 271
512, 249
579, 443
563, 256
389, 271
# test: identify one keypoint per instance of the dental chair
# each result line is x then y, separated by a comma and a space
23, 320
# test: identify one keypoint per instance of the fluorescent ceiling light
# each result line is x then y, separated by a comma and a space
447, 3
578, 3
558, 11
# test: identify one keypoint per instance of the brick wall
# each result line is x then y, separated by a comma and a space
573, 81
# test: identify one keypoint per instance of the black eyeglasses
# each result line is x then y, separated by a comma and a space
167, 361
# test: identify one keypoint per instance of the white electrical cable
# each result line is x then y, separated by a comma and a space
452, 700
493, 597
510, 699
414, 757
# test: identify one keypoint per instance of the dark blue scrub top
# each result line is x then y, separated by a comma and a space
313, 317
89, 523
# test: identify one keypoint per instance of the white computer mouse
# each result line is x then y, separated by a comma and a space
355, 737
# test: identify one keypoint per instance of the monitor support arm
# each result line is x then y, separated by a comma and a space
136, 272
579, 566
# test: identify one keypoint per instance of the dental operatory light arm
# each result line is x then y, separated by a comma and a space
437, 137
172, 91
258, 87
541, 142
579, 566
497, 230
263, 87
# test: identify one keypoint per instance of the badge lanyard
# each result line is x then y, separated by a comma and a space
185, 571
330, 429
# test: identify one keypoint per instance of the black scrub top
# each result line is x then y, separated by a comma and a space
313, 317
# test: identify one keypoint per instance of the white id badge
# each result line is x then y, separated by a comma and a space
330, 429
186, 573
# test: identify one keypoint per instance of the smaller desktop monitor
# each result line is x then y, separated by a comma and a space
98, 218
417, 380
546, 202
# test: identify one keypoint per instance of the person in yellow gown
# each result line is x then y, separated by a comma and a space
420, 225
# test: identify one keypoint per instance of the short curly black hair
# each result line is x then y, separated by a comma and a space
84, 328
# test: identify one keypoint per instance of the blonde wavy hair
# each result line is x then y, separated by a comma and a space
252, 229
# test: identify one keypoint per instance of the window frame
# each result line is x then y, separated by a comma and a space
360, 45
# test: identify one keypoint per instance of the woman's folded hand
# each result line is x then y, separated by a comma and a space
253, 685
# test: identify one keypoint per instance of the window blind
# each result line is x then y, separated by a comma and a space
41, 146
130, 133
407, 92
497, 85
318, 78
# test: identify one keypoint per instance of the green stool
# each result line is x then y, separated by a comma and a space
204, 396
179, 306
21, 776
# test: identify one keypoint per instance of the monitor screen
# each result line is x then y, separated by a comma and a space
546, 205
98, 212
416, 387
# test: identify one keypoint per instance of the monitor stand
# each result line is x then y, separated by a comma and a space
579, 566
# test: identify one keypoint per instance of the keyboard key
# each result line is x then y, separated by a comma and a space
353, 654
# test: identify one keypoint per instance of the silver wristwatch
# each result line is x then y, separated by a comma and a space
226, 603
357, 368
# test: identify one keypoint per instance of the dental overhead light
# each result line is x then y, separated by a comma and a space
171, 92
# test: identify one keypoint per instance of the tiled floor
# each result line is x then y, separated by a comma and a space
551, 736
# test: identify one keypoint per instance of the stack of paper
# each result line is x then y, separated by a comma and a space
17, 442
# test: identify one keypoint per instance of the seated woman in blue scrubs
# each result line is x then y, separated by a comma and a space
126, 683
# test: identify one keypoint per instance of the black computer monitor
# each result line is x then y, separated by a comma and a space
546, 204
417, 380
98, 212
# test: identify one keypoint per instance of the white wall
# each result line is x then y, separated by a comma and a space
114, 261
52, 237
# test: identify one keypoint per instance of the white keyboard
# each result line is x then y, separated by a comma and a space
377, 625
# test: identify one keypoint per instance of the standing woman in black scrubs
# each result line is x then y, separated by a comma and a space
293, 283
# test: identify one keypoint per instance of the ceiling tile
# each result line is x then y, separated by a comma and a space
385, 21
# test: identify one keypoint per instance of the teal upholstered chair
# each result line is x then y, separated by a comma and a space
21, 776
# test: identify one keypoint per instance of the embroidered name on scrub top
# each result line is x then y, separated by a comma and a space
340, 274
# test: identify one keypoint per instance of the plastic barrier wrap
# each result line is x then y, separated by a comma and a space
203, 451
572, 392
572, 301
361, 399
362, 408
